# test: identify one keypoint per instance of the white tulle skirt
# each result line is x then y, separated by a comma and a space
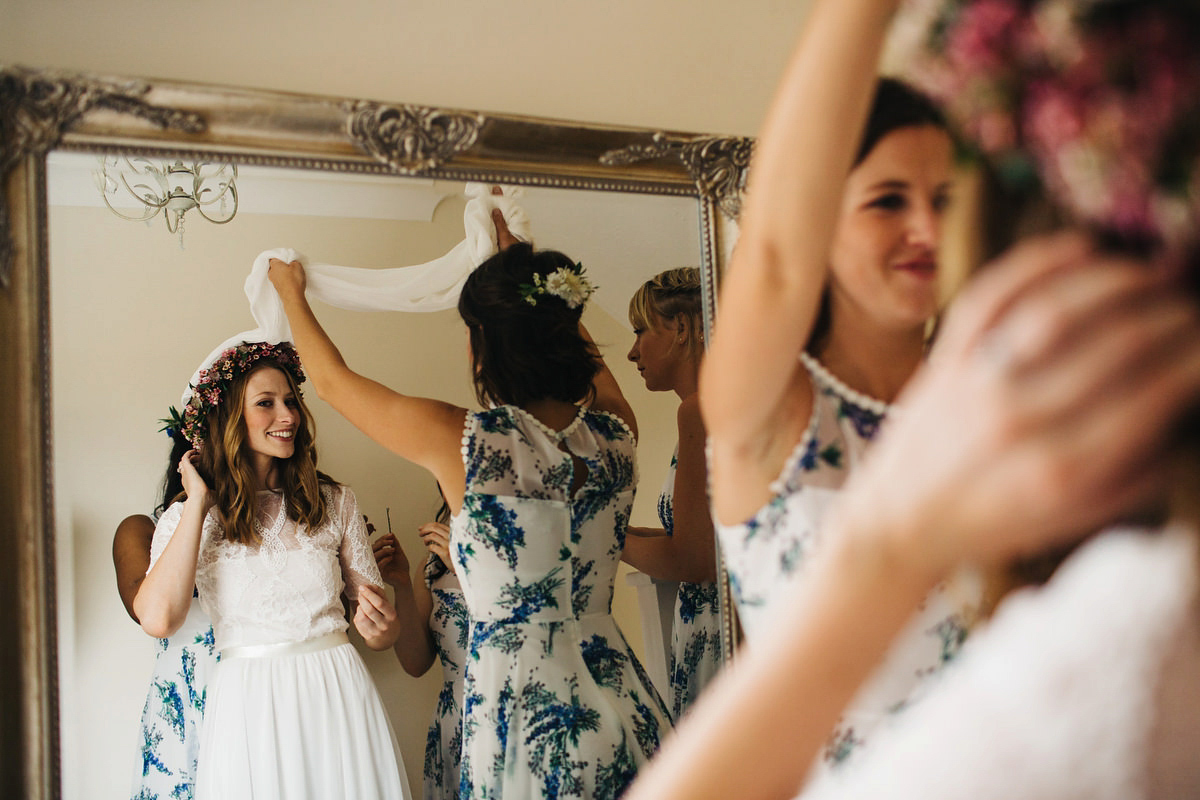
304, 724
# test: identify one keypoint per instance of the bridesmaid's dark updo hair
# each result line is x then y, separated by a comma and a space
524, 352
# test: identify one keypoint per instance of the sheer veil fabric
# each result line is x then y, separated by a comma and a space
432, 286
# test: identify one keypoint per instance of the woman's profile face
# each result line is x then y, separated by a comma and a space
883, 261
658, 353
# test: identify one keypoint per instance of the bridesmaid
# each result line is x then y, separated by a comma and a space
824, 318
540, 486
174, 711
666, 315
434, 623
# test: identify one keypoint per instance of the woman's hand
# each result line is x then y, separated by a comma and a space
287, 278
193, 485
376, 619
1043, 414
436, 538
393, 563
504, 237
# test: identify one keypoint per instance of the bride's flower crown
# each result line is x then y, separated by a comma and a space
1095, 101
218, 377
569, 284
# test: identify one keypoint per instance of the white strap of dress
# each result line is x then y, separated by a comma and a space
827, 378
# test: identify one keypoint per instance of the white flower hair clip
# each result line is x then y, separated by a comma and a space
569, 284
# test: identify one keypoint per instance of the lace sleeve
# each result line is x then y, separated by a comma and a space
163, 531
358, 562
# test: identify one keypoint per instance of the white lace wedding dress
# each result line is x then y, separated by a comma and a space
291, 711
1086, 688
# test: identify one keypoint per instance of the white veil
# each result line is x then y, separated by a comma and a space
432, 286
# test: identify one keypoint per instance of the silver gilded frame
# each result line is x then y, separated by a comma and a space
45, 110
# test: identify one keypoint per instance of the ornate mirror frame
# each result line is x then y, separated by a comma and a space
45, 110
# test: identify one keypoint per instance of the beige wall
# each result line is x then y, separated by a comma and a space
121, 357
693, 65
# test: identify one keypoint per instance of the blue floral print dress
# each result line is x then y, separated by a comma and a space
696, 630
448, 622
556, 704
766, 554
174, 711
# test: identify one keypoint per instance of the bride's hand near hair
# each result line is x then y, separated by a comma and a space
193, 484
164, 597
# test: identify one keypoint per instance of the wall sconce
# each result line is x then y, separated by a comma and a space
173, 189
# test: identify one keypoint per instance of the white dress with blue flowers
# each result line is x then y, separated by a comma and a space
765, 555
557, 705
696, 629
174, 711
448, 622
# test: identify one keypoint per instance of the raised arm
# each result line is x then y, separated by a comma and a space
164, 598
690, 553
753, 391
426, 432
131, 557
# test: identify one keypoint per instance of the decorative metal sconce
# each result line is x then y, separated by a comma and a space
173, 189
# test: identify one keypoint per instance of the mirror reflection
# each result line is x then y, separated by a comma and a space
134, 310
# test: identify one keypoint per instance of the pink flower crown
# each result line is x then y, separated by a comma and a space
218, 377
1095, 101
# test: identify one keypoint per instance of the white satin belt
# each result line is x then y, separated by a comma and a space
286, 648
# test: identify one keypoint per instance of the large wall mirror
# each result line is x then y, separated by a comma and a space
104, 319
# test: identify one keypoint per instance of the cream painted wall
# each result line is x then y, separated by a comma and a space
119, 361
692, 65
